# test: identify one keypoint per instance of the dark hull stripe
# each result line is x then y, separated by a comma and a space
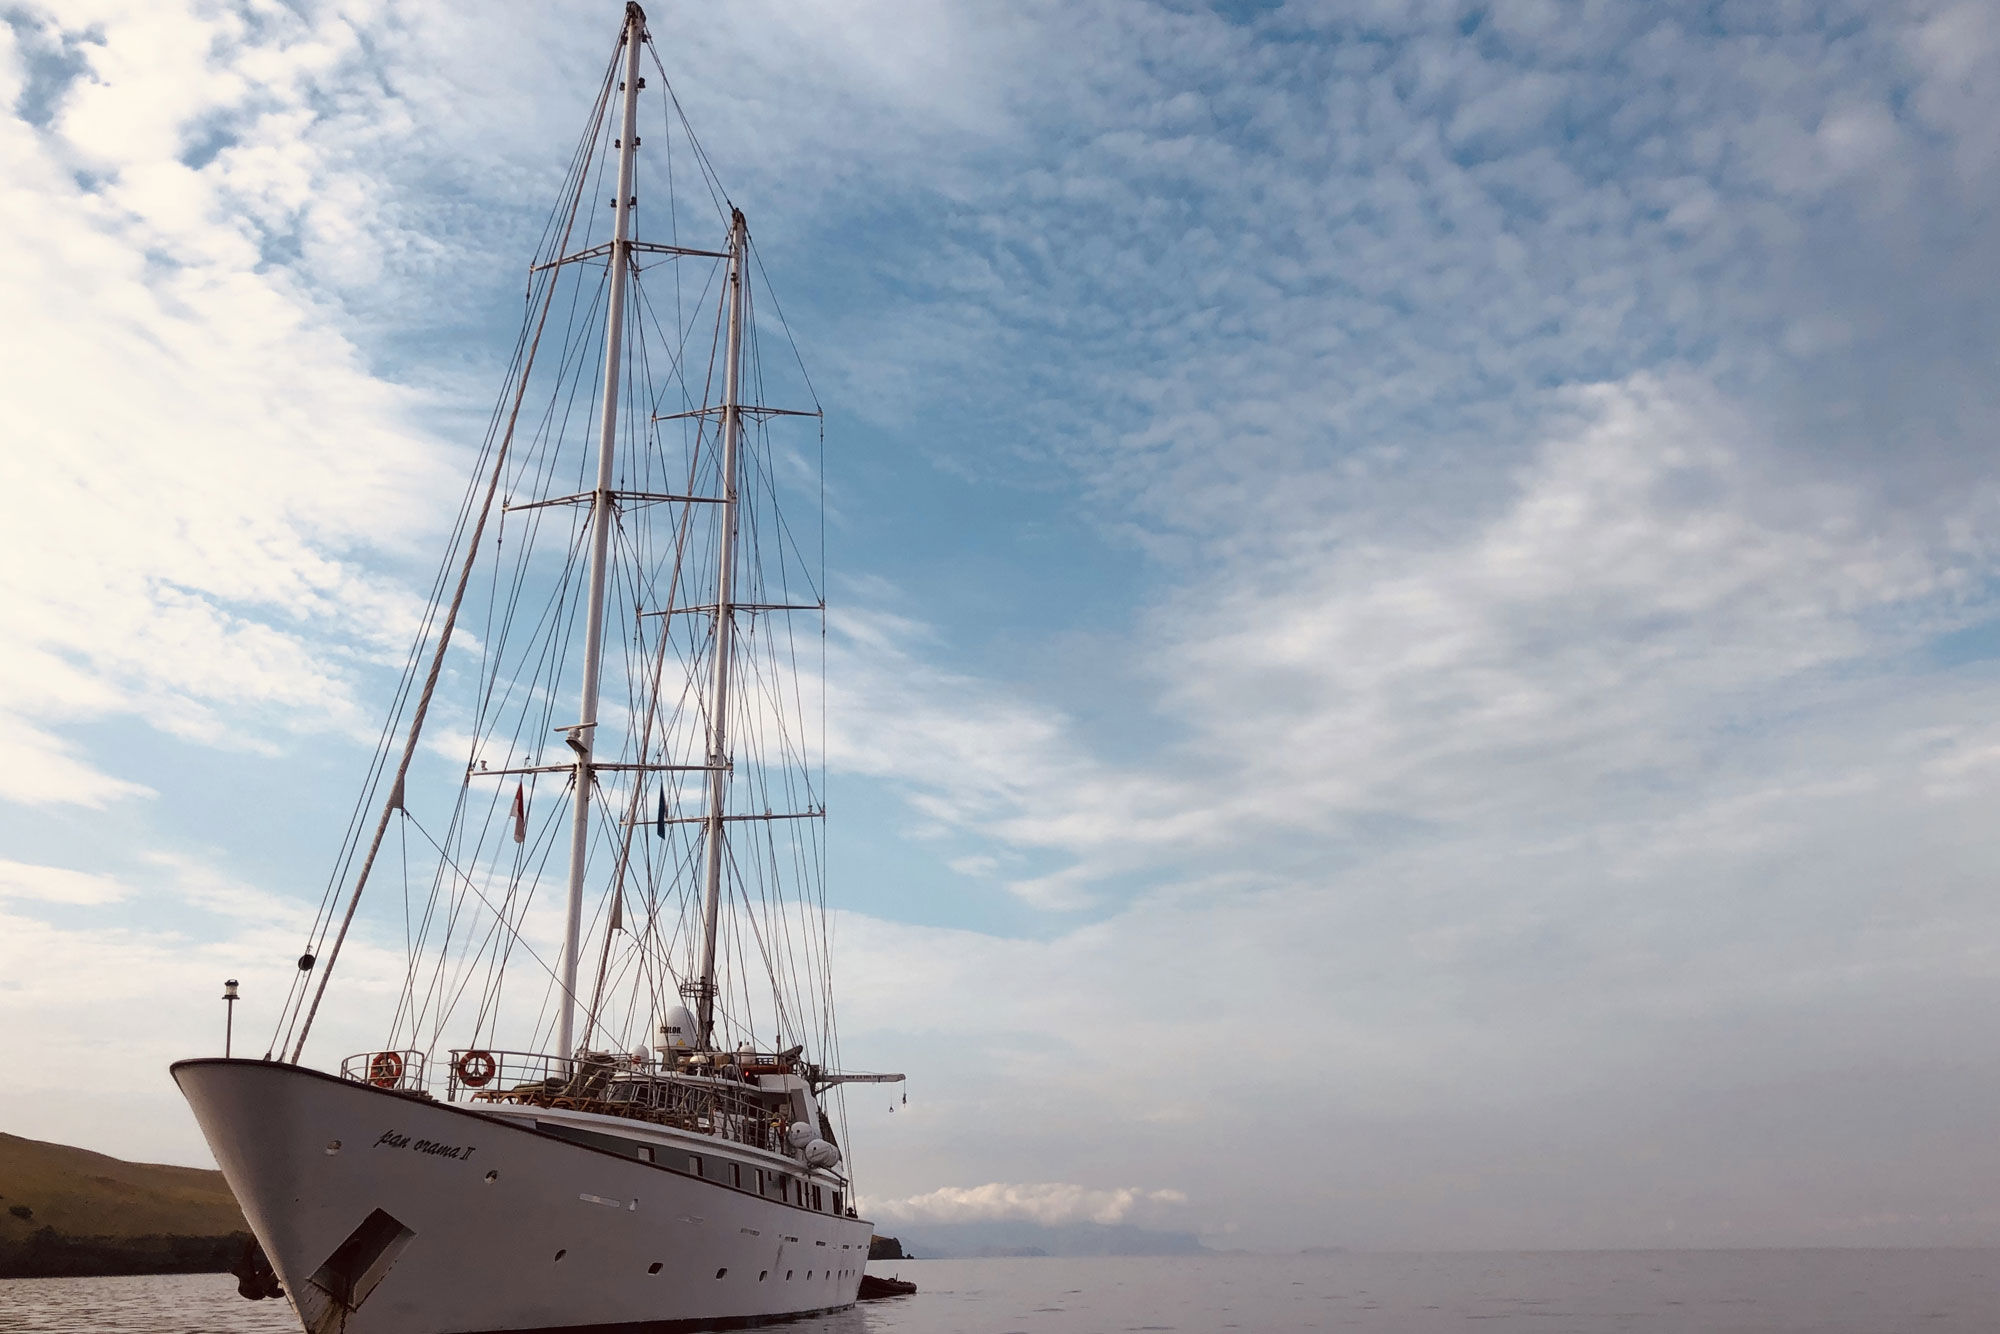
675, 1326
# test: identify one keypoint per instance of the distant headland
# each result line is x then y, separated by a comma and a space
67, 1212
1006, 1238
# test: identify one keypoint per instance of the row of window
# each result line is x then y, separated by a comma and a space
758, 1181
771, 1184
762, 1274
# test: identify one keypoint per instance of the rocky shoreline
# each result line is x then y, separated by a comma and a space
46, 1253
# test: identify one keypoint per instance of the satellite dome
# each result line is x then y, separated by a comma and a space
677, 1030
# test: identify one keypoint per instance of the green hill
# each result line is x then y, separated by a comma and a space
70, 1211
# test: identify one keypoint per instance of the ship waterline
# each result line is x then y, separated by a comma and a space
386, 1212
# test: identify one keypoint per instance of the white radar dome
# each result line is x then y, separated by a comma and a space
676, 1030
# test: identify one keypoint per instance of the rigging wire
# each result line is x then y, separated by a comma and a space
478, 913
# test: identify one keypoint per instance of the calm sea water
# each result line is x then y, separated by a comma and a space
1659, 1292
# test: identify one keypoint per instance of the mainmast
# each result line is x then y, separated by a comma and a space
725, 630
581, 736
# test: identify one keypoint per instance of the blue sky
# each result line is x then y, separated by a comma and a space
1421, 573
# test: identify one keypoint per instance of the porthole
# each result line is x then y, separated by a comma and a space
561, 1253
720, 1272
653, 1268
762, 1274
492, 1177
788, 1276
332, 1147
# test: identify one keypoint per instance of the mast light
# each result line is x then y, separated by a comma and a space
229, 1024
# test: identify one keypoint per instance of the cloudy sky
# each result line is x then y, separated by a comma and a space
1416, 643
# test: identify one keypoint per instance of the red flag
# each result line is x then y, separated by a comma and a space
520, 815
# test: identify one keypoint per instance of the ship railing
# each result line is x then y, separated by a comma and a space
612, 1085
399, 1069
484, 1074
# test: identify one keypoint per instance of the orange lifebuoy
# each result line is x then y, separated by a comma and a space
385, 1069
476, 1069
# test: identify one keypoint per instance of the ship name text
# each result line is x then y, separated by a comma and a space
392, 1139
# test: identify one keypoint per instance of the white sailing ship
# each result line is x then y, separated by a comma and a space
661, 1147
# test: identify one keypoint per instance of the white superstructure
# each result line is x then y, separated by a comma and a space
662, 1149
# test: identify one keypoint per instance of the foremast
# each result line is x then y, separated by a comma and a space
703, 990
581, 737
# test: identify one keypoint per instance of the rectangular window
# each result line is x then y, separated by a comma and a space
694, 1164
736, 1175
760, 1180
645, 1152
819, 1200
836, 1201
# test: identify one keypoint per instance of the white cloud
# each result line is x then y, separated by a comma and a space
1637, 591
1049, 1203
197, 459
135, 983
38, 768
57, 884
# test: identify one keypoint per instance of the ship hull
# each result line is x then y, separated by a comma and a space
388, 1213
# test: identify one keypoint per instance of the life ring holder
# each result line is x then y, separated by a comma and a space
476, 1069
385, 1069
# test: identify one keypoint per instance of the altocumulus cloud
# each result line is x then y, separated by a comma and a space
198, 467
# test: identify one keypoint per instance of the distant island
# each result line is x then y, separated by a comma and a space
70, 1213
